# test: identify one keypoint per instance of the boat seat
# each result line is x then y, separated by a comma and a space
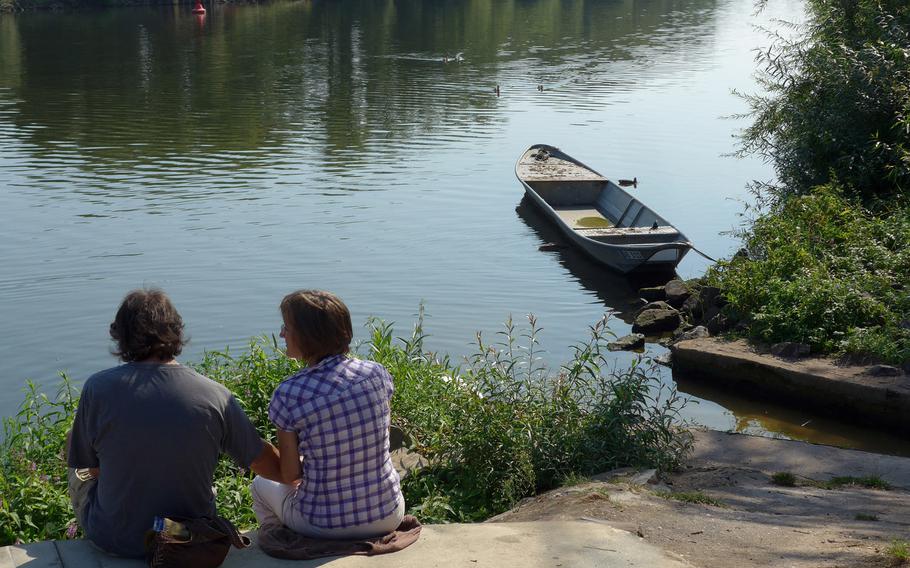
665, 233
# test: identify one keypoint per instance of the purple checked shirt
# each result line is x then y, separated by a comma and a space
340, 412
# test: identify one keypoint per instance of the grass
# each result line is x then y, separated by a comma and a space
496, 429
865, 517
693, 497
573, 479
784, 479
899, 551
869, 482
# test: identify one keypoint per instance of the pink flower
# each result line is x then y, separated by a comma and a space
71, 530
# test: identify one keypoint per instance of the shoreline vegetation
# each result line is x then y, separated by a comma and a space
826, 256
494, 430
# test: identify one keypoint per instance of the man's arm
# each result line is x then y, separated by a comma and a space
267, 464
93, 471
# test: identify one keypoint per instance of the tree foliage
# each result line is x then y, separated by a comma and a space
837, 106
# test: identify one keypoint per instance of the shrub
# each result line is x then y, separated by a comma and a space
825, 271
784, 479
34, 504
837, 99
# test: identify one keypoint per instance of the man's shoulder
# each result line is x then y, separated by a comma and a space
106, 378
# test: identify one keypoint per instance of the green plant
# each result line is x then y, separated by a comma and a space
34, 504
865, 517
693, 497
869, 482
899, 550
503, 427
573, 479
784, 479
824, 271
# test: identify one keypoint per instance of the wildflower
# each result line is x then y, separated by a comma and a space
45, 478
32, 466
71, 529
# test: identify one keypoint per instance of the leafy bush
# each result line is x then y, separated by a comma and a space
504, 427
826, 272
34, 504
498, 430
838, 95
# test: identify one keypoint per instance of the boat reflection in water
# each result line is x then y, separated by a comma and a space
618, 292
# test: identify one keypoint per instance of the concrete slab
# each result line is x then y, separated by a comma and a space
570, 544
37, 555
845, 392
800, 458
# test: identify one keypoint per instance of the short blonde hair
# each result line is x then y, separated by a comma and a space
320, 321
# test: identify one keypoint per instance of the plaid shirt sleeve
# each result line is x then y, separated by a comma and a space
279, 414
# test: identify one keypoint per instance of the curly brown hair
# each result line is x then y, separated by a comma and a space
147, 326
321, 323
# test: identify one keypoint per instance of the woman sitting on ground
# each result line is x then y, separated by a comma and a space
334, 415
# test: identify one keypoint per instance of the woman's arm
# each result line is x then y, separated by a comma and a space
289, 454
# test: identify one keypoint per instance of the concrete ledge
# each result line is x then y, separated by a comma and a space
845, 392
570, 544
814, 461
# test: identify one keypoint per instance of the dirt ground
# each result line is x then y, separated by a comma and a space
753, 523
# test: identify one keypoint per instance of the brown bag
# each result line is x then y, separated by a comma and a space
178, 542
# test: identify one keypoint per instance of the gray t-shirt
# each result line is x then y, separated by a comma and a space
156, 431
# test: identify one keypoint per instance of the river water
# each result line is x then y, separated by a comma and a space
233, 158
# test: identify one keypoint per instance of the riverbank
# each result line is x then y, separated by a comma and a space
724, 509
721, 509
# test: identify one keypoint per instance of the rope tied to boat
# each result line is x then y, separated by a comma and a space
691, 246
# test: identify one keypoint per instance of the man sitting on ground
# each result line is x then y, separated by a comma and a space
148, 433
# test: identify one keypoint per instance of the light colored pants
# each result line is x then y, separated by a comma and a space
275, 502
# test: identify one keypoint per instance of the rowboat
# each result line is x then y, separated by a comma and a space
597, 215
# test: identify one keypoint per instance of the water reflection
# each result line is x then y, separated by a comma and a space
148, 95
618, 292
756, 416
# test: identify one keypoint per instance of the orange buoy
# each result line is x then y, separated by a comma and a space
199, 8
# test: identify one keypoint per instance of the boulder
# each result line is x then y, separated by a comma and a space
710, 296
694, 306
677, 292
656, 320
652, 293
884, 371
790, 350
627, 342
698, 332
718, 323
657, 305
665, 359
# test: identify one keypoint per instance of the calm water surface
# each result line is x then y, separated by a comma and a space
234, 158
